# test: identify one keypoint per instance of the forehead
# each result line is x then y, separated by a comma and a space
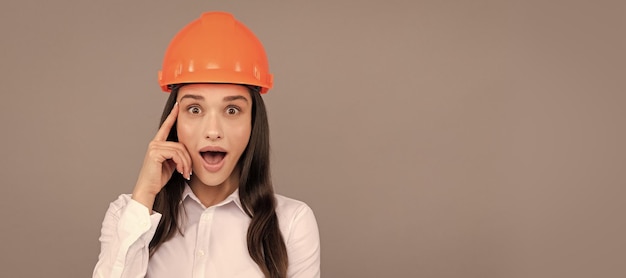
212, 91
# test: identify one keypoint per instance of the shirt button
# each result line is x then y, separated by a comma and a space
201, 253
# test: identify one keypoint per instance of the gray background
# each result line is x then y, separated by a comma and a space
431, 138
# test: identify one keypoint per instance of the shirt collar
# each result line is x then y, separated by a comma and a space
233, 197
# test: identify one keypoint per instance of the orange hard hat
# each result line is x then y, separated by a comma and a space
216, 48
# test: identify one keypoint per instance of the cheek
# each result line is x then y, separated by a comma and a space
241, 136
184, 130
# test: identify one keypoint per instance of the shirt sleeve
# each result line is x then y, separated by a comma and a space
303, 245
126, 232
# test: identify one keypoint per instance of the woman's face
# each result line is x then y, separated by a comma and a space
214, 124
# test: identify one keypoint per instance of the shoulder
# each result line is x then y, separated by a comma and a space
286, 206
294, 217
301, 236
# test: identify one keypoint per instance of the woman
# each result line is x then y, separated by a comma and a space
203, 204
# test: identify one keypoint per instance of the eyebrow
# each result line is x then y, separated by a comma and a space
231, 98
196, 97
227, 98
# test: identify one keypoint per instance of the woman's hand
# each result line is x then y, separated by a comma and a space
162, 158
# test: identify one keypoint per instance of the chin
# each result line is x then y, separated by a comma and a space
214, 180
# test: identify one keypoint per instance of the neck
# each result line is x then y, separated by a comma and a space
212, 195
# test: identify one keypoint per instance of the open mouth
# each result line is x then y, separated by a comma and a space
213, 157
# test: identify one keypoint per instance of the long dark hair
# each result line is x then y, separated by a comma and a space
265, 242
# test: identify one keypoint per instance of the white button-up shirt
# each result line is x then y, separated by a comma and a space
213, 244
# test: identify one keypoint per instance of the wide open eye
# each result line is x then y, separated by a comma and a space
194, 110
232, 110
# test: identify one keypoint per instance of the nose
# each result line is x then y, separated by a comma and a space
212, 128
